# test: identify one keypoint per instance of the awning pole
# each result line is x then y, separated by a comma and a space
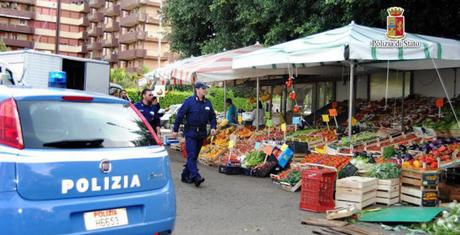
403, 96
445, 91
225, 97
350, 102
386, 86
257, 105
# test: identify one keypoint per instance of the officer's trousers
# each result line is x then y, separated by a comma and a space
193, 147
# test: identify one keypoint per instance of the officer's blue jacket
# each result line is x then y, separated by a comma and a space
150, 113
197, 115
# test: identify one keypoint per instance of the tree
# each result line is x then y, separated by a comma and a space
210, 26
123, 78
3, 46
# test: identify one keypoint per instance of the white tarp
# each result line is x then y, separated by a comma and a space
353, 42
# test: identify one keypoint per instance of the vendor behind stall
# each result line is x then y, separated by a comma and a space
232, 115
260, 117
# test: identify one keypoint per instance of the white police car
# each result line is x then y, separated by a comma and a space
76, 163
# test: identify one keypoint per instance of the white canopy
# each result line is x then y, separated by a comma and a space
353, 42
357, 44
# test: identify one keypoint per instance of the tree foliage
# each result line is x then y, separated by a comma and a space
3, 46
210, 26
123, 78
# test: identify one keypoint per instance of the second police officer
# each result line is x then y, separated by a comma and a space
198, 112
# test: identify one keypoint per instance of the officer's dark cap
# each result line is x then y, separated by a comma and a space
201, 85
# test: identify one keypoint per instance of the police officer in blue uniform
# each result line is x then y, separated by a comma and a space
150, 111
198, 112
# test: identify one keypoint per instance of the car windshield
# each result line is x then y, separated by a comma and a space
55, 124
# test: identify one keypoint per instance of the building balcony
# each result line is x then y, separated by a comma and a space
111, 58
95, 32
131, 4
16, 28
79, 6
96, 3
94, 46
9, 42
95, 55
18, 14
114, 10
110, 43
137, 18
27, 2
132, 54
112, 27
96, 17
132, 37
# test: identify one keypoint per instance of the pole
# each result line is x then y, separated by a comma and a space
159, 34
402, 100
58, 26
225, 98
350, 102
257, 105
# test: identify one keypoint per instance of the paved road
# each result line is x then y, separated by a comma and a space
236, 205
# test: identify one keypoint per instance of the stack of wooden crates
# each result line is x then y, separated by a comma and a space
388, 191
419, 187
357, 191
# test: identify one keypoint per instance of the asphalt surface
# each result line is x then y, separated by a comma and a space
237, 205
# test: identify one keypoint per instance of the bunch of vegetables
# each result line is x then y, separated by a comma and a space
362, 163
447, 224
293, 178
339, 162
253, 159
385, 171
359, 138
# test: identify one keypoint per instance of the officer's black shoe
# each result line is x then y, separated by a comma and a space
186, 180
198, 181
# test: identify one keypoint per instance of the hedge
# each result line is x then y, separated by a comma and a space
215, 95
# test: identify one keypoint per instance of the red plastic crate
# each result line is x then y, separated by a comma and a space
317, 193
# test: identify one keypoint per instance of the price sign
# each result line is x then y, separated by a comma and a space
257, 146
284, 147
354, 121
333, 112
296, 121
267, 149
439, 103
231, 144
325, 118
283, 127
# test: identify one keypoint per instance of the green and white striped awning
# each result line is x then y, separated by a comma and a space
353, 42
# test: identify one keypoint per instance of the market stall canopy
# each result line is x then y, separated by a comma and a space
358, 43
165, 73
216, 67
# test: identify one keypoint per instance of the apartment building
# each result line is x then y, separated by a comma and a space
126, 33
16, 23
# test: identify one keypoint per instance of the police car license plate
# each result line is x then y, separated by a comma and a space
105, 218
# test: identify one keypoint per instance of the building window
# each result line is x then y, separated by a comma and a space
22, 22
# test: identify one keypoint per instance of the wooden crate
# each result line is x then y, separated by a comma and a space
419, 196
388, 191
355, 195
419, 178
388, 201
357, 182
290, 188
357, 205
